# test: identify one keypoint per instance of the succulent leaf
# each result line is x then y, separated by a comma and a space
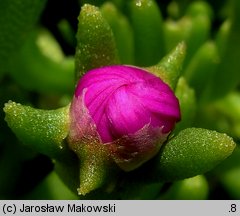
96, 45
192, 152
42, 130
169, 68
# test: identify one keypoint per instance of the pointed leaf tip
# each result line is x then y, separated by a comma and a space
192, 152
95, 167
42, 130
96, 45
169, 68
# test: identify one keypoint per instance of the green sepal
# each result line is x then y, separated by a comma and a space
169, 68
17, 18
122, 31
188, 104
147, 24
95, 162
195, 188
96, 45
41, 66
95, 167
42, 130
193, 151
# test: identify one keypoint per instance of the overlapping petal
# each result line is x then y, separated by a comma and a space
132, 110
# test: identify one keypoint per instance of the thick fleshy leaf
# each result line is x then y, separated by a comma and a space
96, 45
192, 28
67, 32
195, 188
179, 8
169, 68
83, 139
146, 20
229, 67
118, 3
228, 108
17, 18
42, 130
199, 8
199, 33
202, 67
192, 152
122, 31
230, 181
41, 65
222, 36
188, 104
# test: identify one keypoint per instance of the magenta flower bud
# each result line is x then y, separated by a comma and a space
127, 109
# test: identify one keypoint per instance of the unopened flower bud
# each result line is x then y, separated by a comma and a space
127, 110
